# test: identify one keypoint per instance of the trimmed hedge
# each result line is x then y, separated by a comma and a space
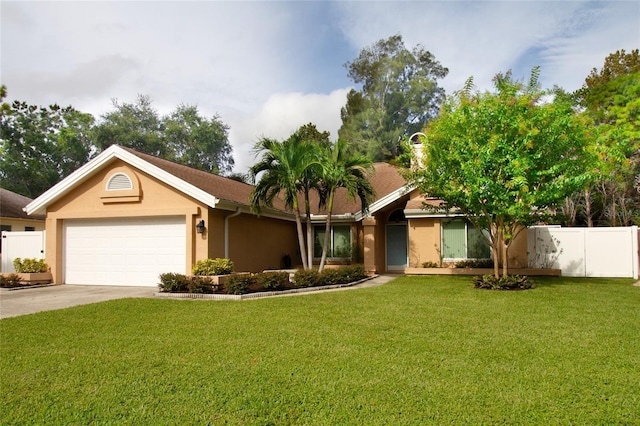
272, 280
180, 283
333, 276
239, 283
269, 281
217, 266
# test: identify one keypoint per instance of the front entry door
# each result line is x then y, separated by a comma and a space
397, 253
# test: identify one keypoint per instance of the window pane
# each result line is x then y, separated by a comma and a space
318, 240
478, 246
341, 241
453, 239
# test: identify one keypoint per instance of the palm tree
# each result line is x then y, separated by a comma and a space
340, 169
284, 166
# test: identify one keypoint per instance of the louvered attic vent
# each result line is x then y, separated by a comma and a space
119, 182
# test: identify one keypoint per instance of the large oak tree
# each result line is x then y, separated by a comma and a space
399, 95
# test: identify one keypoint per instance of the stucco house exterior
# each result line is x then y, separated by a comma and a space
125, 217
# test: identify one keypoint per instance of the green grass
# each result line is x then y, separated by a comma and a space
419, 350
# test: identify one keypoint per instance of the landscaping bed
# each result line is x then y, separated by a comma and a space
251, 285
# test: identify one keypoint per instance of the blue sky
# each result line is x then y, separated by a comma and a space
268, 67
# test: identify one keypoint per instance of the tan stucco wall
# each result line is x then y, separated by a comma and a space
150, 197
518, 257
424, 241
259, 243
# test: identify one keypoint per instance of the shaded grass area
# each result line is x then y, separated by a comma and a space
419, 350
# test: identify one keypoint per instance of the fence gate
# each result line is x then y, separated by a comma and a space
27, 244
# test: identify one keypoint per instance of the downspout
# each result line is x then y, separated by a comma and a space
226, 232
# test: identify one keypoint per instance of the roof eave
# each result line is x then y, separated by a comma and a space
39, 205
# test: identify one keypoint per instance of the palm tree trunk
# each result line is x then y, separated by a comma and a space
327, 230
307, 209
303, 253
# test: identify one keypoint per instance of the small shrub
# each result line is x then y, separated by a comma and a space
272, 280
307, 278
510, 282
331, 277
201, 285
217, 266
9, 281
351, 273
239, 284
476, 263
30, 265
430, 264
173, 283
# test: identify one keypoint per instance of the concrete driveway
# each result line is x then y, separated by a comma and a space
31, 300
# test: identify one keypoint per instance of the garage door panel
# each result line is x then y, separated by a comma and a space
128, 251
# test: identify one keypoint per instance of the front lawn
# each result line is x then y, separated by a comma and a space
418, 350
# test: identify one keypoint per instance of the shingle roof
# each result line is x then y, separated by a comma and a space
385, 179
219, 186
11, 205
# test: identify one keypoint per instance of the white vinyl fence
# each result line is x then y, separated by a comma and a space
28, 244
585, 252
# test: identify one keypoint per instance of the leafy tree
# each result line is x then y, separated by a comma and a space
283, 167
183, 136
611, 98
197, 141
132, 125
503, 158
343, 170
41, 145
399, 96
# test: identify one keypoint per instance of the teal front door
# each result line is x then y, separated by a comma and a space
397, 253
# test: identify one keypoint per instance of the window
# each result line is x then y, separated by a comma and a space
461, 240
339, 241
119, 182
29, 228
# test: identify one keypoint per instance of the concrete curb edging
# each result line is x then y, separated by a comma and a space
259, 295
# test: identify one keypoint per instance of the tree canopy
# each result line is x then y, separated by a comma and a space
399, 95
183, 136
503, 158
41, 145
611, 99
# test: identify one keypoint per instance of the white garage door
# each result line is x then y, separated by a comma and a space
128, 251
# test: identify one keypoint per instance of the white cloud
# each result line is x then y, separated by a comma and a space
265, 68
280, 116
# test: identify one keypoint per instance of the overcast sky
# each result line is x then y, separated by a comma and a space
265, 68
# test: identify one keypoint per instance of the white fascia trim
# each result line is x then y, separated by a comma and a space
39, 205
335, 218
268, 212
420, 213
384, 201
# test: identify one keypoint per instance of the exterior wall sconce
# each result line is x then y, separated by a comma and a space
200, 227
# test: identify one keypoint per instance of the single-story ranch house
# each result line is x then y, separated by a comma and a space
126, 217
